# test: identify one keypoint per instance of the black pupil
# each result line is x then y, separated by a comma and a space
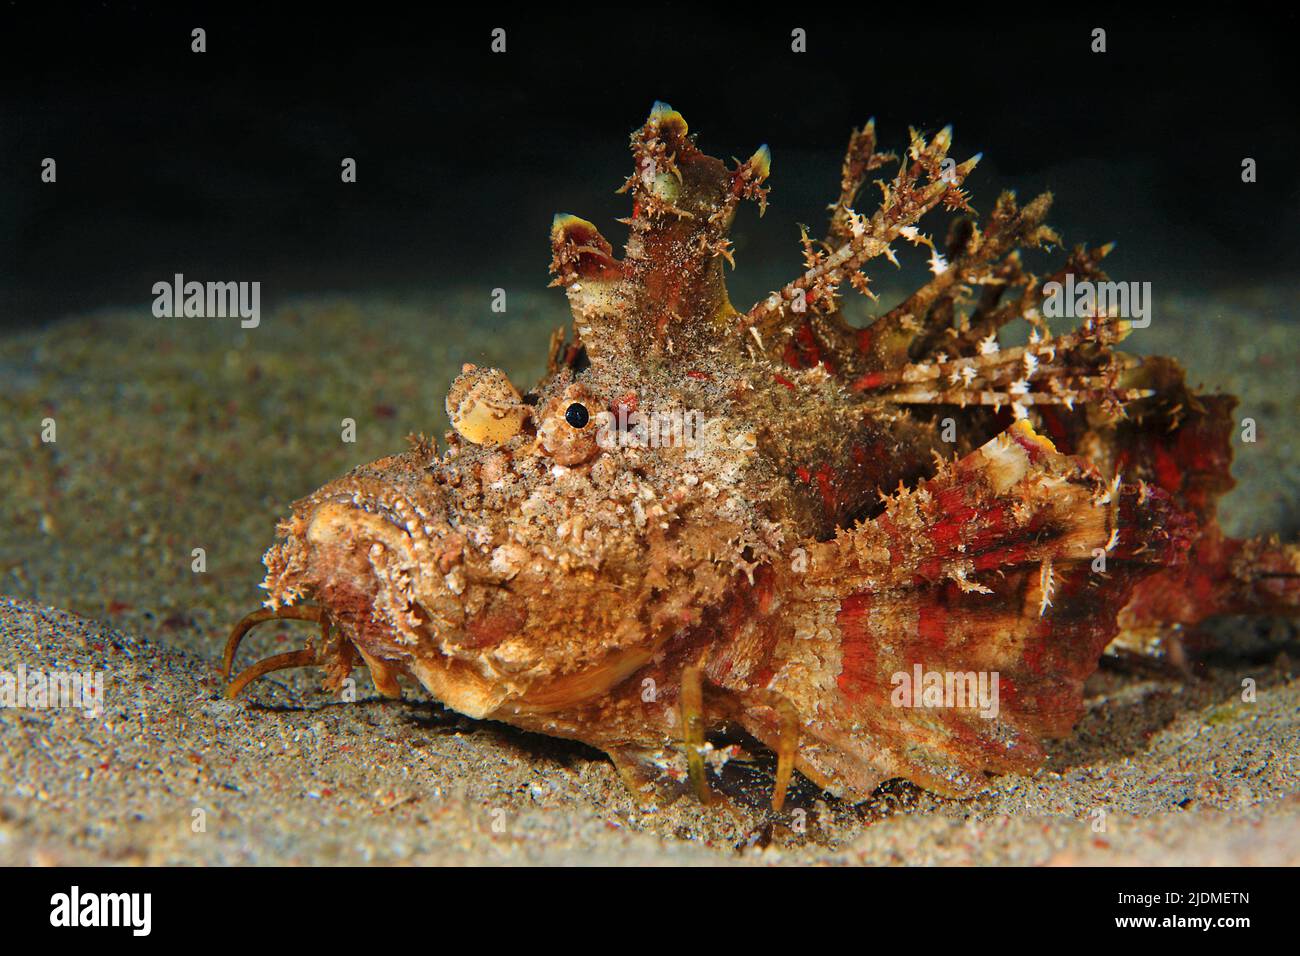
576, 415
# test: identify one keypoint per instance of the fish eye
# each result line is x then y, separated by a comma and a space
576, 415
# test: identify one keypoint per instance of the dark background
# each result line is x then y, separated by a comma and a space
225, 165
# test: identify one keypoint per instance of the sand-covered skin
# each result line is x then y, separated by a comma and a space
176, 434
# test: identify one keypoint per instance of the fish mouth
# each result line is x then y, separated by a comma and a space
413, 597
371, 578
379, 570
394, 586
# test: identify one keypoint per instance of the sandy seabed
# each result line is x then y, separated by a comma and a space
177, 434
